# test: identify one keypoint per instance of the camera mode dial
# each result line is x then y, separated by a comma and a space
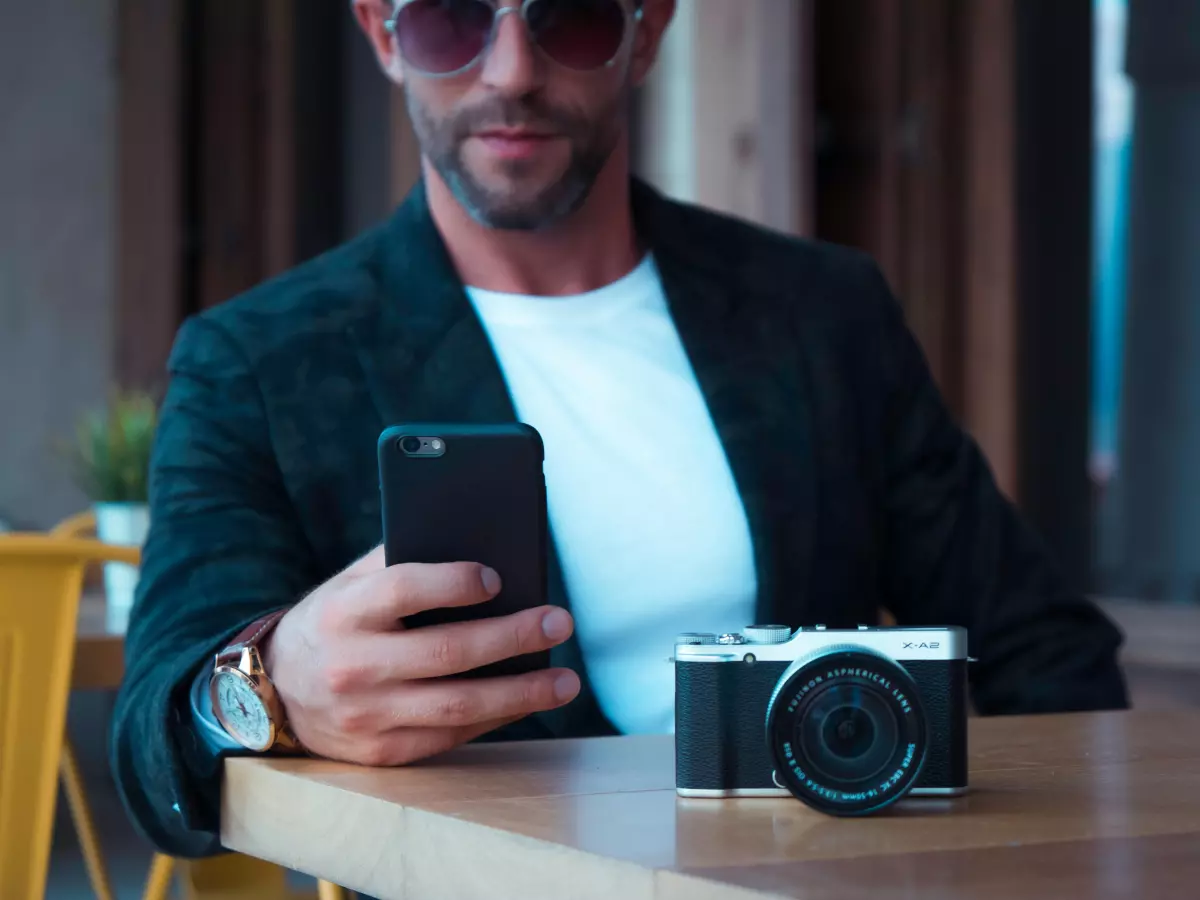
768, 634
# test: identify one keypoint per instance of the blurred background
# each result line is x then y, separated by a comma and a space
1027, 172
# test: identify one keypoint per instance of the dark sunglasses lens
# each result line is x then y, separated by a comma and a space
441, 36
578, 34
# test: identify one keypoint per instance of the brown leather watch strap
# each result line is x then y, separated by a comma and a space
250, 636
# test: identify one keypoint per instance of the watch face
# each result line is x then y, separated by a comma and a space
241, 711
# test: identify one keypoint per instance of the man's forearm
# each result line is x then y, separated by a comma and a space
224, 547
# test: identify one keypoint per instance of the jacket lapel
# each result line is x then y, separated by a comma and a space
423, 352
752, 374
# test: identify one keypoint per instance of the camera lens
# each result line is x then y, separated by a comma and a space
846, 731
410, 444
848, 741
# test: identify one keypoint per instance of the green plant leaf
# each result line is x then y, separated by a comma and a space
111, 454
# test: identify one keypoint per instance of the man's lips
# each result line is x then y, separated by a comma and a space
514, 143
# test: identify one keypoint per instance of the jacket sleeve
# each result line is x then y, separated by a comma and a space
959, 553
224, 547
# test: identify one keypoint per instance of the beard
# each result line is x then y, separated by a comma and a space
521, 205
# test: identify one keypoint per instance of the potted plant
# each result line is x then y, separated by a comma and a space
112, 464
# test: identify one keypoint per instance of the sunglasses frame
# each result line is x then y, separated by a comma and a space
632, 18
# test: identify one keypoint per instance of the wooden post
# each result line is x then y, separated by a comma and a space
279, 140
929, 146
1051, 359
230, 165
149, 295
990, 309
724, 115
860, 95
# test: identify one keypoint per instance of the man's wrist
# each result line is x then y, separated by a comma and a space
268, 657
241, 666
266, 650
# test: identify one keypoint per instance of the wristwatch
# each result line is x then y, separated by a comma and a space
243, 698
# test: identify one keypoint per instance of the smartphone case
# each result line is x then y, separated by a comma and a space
482, 500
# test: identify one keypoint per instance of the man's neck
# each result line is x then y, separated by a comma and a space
594, 246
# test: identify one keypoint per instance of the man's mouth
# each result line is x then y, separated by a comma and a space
515, 143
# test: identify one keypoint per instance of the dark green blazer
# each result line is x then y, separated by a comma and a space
861, 491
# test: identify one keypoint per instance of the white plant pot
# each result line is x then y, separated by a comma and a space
126, 524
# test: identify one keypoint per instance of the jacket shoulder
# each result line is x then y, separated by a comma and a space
319, 297
841, 280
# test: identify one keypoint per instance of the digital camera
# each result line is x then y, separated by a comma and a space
848, 721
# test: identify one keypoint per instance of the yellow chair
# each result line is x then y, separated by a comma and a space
40, 579
79, 526
82, 524
228, 877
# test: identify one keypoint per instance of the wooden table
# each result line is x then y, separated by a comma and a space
99, 652
1082, 806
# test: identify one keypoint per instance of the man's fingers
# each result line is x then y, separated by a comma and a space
364, 565
376, 600
436, 651
468, 733
406, 745
468, 703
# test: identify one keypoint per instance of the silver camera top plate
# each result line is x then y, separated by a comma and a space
897, 643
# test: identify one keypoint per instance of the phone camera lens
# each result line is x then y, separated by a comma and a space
410, 444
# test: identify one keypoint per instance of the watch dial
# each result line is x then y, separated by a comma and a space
244, 715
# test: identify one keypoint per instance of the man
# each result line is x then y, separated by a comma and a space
738, 428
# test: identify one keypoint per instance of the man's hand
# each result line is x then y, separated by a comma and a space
358, 687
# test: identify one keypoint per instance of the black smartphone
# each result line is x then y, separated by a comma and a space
469, 493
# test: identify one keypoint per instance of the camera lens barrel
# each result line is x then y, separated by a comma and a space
846, 730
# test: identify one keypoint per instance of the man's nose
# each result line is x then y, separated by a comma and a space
512, 67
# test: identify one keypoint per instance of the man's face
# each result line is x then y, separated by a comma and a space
521, 160
519, 138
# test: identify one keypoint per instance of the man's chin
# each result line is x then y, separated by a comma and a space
519, 204
516, 216
516, 184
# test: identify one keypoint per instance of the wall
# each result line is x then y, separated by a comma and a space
57, 103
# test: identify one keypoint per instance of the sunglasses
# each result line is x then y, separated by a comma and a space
440, 38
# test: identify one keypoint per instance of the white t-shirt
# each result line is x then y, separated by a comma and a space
642, 505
